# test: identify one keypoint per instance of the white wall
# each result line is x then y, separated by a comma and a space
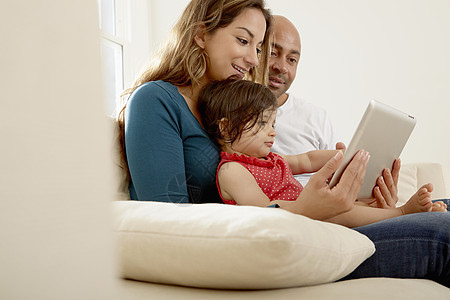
163, 17
394, 51
56, 238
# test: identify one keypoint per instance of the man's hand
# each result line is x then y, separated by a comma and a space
341, 146
385, 191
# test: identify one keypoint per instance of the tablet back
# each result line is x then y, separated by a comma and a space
383, 132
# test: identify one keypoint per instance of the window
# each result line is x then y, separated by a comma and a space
112, 53
125, 45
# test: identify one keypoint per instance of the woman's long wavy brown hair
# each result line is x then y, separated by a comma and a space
182, 62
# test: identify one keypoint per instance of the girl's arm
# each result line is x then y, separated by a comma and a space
361, 215
309, 162
238, 184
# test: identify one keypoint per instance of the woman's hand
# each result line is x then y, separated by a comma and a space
319, 201
385, 192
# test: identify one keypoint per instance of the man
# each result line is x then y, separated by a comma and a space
301, 126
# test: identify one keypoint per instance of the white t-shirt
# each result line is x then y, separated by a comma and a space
301, 127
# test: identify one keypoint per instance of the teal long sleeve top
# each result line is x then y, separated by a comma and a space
169, 155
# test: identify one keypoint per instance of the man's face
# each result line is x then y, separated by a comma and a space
284, 58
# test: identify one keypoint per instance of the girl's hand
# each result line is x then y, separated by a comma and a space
319, 201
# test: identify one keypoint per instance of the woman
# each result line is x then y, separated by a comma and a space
170, 157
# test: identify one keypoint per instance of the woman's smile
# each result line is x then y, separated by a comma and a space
241, 71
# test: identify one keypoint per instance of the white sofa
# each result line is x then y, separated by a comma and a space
169, 251
140, 226
370, 289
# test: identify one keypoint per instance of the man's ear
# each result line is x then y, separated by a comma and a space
200, 36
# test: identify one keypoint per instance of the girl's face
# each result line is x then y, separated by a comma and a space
234, 49
258, 140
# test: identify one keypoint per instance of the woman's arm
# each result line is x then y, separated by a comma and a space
154, 147
319, 201
309, 162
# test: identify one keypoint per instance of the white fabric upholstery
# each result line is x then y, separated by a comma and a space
233, 247
413, 176
138, 232
367, 289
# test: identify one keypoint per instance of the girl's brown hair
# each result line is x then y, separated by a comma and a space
237, 104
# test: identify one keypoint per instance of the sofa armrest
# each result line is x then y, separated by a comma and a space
414, 175
437, 175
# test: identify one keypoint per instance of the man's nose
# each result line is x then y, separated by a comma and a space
280, 67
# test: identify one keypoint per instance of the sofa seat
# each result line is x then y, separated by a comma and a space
357, 289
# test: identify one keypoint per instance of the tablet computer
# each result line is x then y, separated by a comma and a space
383, 131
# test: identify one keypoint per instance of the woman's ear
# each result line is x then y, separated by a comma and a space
200, 36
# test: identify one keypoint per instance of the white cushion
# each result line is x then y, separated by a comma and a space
232, 247
414, 175
407, 183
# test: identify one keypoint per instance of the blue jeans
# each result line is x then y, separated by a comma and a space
410, 246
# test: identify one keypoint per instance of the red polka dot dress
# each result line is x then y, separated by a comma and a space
272, 174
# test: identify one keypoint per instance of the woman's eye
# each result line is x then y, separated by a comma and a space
258, 51
242, 41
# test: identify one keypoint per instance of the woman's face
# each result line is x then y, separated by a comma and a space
234, 49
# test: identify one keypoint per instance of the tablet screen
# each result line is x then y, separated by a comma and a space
383, 131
